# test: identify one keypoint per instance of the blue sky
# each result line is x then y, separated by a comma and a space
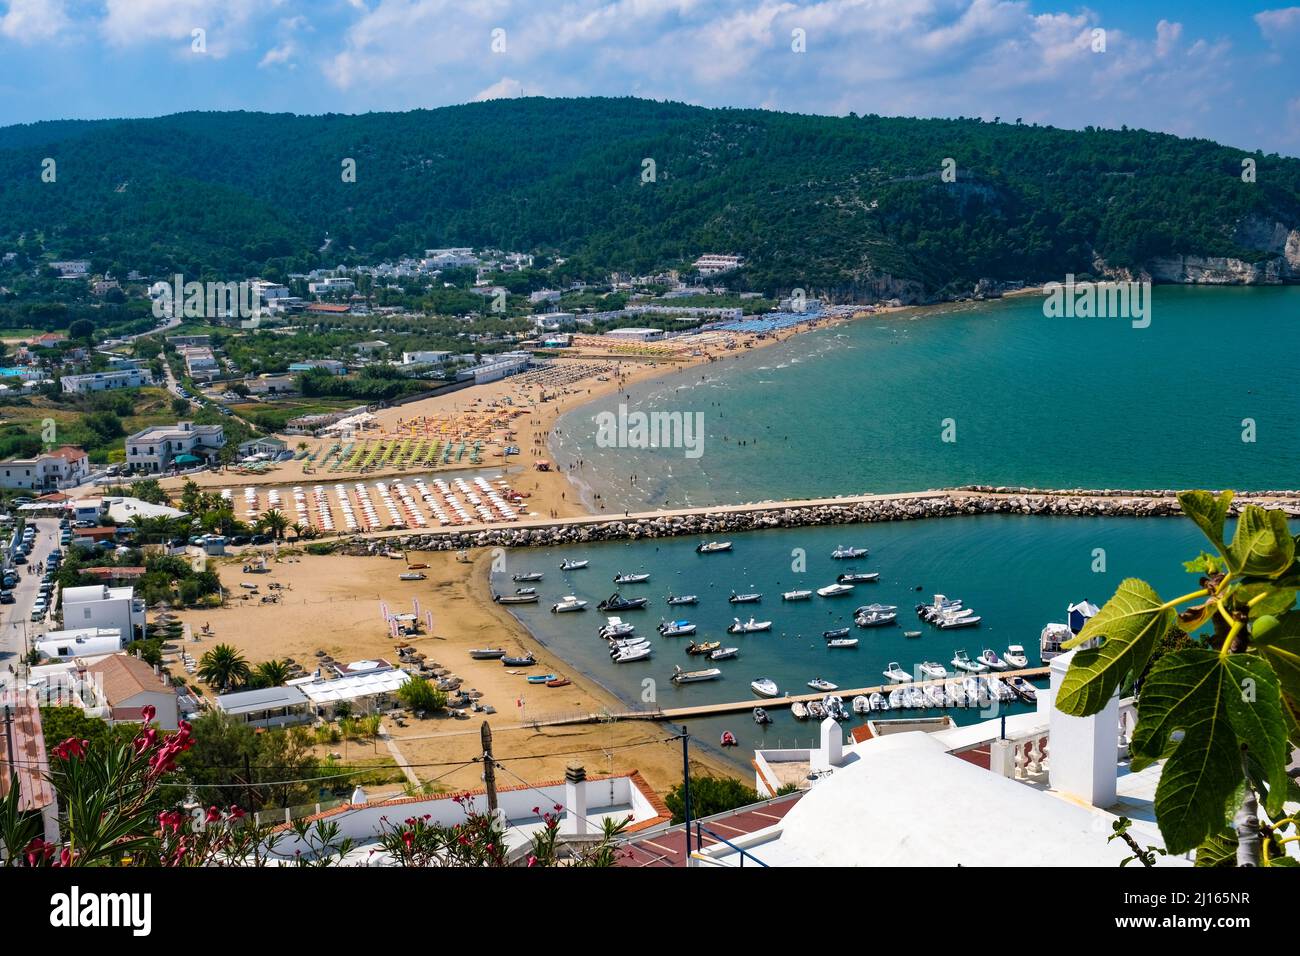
1229, 71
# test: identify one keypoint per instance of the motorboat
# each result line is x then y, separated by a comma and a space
539, 678
816, 711
631, 642
977, 693
690, 677
896, 674
1024, 690
629, 654
912, 634
748, 627
949, 698
527, 590
638, 578
835, 590
940, 603
1051, 640
877, 701
569, 603
487, 653
616, 627
526, 661
616, 602
962, 662
835, 632
877, 609
896, 699
515, 598
764, 687
567, 565
1015, 656
861, 704
728, 739
818, 683
915, 697
834, 706
704, 647
931, 670
713, 547
875, 618
842, 642
682, 599
795, 595
724, 653
751, 598
676, 628
559, 682
527, 576
957, 693
858, 577
989, 658
933, 695
412, 576
842, 553
761, 716
1004, 692
946, 623
799, 710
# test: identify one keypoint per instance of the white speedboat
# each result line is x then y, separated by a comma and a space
877, 701
939, 604
795, 595
1015, 656
799, 710
567, 565
977, 695
724, 653
842, 642
834, 707
896, 699
616, 646
946, 623
861, 704
616, 627
843, 553
1024, 690
989, 658
627, 655
690, 677
818, 683
526, 577
753, 597
569, 603
761, 716
676, 628
933, 695
875, 618
896, 674
835, 590
748, 627
713, 547
638, 578
962, 662
682, 599
858, 577
765, 687
1004, 691
932, 670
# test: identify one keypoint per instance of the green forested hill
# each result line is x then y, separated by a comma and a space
825, 203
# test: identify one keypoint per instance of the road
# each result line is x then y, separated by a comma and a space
16, 627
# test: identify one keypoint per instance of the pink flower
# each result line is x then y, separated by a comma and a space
147, 713
532, 861
213, 815
236, 812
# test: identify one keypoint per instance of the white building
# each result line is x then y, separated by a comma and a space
200, 363
81, 642
452, 258
331, 286
709, 265
104, 381
544, 295
425, 357
634, 335
156, 448
100, 606
554, 321
63, 467
267, 706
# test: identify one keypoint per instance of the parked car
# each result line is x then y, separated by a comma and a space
6, 597
20, 558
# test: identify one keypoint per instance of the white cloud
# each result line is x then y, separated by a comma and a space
226, 23
34, 21
504, 89
1271, 22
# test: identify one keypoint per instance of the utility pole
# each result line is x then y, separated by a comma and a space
686, 788
489, 769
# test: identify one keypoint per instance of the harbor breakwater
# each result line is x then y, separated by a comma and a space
970, 500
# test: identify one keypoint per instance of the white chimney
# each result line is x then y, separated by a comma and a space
831, 751
1084, 751
358, 797
575, 800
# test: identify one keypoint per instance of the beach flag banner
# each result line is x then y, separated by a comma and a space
383, 609
416, 603
428, 621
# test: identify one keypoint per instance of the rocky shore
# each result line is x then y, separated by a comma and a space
974, 500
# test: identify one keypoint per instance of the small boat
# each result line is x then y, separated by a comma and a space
934, 695
1024, 690
932, 670
915, 697
412, 576
559, 682
912, 634
681, 599
713, 547
765, 687
799, 710
748, 627
705, 647
751, 598
842, 642
616, 627
816, 711
569, 603
567, 565
526, 577
628, 654
515, 598
1004, 692
724, 653
617, 643
875, 618
539, 678
896, 674
835, 632
940, 603
896, 699
962, 662
946, 622
818, 683
690, 677
528, 590
487, 653
761, 716
526, 661
417, 567
877, 701
989, 658
834, 707
728, 739
861, 705
858, 577
676, 628
877, 609
796, 595
616, 602
842, 553
835, 590
977, 693
1016, 656
631, 578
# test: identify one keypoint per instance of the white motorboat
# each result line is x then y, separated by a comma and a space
627, 655
1015, 656
818, 683
638, 578
989, 658
796, 595
858, 577
676, 628
682, 599
957, 693
946, 623
616, 646
875, 618
713, 547
724, 653
842, 553
977, 695
834, 707
877, 609
761, 716
962, 662
896, 674
842, 642
569, 603
932, 670
567, 565
616, 627
690, 677
896, 699
877, 701
939, 604
835, 590
765, 687
1024, 690
915, 697
753, 597
861, 704
933, 695
1005, 692
526, 577
799, 710
748, 627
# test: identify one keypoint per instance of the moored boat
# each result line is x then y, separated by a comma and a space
800, 595
761, 716
765, 687
858, 577
616, 602
676, 628
815, 710
628, 654
690, 677
875, 618
616, 627
569, 603
752, 597
567, 565
835, 632
526, 576
515, 598
748, 627
799, 710
713, 547
932, 670
818, 683
724, 653
637, 578
682, 599
728, 739
1015, 656
835, 590
487, 653
896, 674
861, 704
962, 662
842, 642
843, 553
989, 658
704, 647
1024, 690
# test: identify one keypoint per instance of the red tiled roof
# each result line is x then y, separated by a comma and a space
25, 737
328, 307
668, 848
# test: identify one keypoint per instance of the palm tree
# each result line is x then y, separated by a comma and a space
297, 528
223, 667
271, 673
275, 522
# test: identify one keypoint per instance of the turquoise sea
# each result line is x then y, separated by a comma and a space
1049, 402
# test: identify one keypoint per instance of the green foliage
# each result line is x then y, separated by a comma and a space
418, 694
709, 795
223, 668
1222, 711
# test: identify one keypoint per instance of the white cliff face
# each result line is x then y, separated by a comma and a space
1277, 241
